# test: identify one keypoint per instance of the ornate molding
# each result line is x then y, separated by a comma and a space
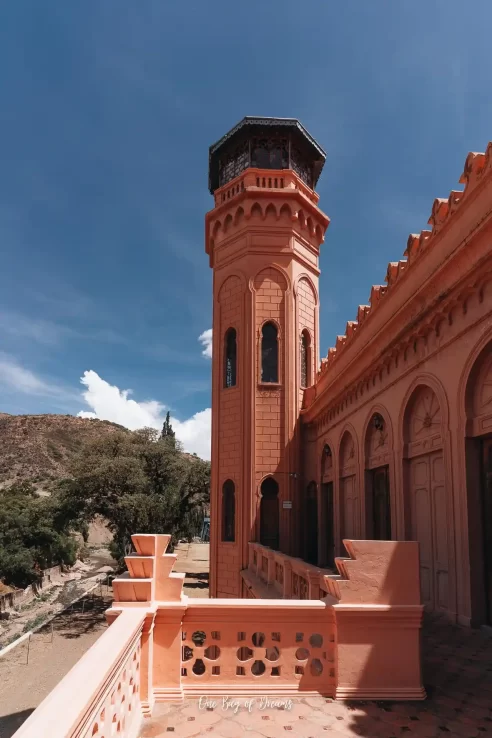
413, 343
477, 166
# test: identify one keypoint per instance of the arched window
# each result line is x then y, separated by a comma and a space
326, 461
269, 514
305, 359
230, 355
228, 511
269, 353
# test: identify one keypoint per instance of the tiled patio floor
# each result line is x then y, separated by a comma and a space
457, 676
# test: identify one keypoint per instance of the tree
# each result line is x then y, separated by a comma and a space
34, 534
167, 429
139, 482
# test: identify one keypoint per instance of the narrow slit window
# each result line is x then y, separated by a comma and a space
305, 363
269, 353
228, 511
230, 368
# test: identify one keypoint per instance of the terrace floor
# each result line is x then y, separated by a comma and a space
457, 676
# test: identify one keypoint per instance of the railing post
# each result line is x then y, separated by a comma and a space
146, 665
167, 652
378, 619
271, 568
251, 554
313, 584
287, 580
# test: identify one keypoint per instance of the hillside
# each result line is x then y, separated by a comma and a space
40, 448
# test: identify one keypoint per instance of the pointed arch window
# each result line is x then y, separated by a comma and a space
230, 358
326, 460
269, 353
228, 511
305, 345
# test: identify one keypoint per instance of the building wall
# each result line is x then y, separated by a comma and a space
270, 297
264, 251
420, 357
230, 298
392, 434
306, 321
428, 420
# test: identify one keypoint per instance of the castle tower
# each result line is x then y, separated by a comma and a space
263, 238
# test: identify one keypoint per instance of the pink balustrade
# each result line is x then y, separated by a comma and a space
286, 576
100, 696
264, 646
361, 640
253, 179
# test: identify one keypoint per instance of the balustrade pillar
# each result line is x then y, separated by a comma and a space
287, 580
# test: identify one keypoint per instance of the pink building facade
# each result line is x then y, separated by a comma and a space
390, 437
302, 458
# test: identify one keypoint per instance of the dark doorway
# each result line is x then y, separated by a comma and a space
381, 511
311, 529
487, 523
327, 511
327, 526
269, 514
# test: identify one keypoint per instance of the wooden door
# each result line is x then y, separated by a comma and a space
421, 527
429, 527
349, 507
487, 523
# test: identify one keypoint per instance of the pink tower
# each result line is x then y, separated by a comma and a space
263, 238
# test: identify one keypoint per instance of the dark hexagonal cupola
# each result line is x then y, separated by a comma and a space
265, 143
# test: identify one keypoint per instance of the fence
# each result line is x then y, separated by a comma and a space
361, 641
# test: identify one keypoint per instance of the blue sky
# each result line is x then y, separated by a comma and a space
107, 112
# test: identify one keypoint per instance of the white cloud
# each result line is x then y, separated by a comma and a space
108, 402
205, 339
195, 433
42, 331
20, 379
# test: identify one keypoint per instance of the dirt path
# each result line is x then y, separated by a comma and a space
23, 685
194, 560
56, 597
51, 655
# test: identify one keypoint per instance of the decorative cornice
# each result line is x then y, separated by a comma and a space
438, 313
477, 166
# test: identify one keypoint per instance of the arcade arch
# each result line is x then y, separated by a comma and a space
348, 491
426, 513
478, 454
377, 486
327, 522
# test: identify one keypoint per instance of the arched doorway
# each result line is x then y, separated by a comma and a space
269, 514
311, 524
426, 519
349, 497
478, 451
327, 528
378, 509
